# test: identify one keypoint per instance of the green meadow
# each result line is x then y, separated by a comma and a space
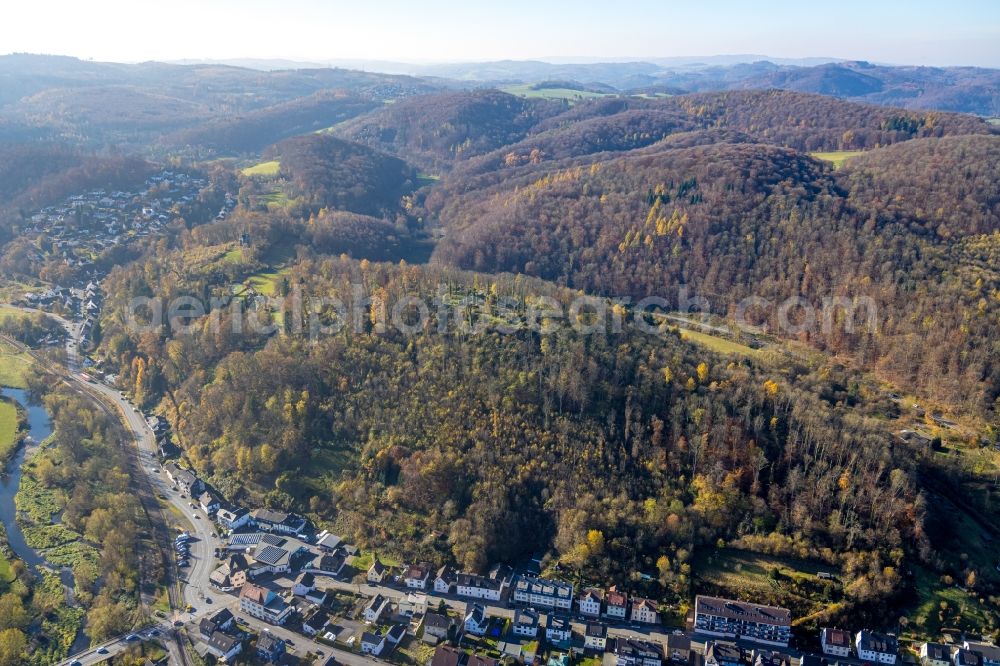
263, 170
837, 157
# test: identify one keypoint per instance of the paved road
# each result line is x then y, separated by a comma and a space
203, 544
150, 475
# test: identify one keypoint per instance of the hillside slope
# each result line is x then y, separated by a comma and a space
731, 221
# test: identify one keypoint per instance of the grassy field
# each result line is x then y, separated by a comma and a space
13, 365
716, 343
788, 582
233, 256
265, 284
263, 170
529, 90
837, 157
8, 429
941, 607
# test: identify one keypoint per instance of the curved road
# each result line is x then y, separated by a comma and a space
196, 577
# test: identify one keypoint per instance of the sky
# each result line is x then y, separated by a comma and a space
924, 32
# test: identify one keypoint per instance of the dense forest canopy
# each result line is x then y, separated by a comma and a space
734, 221
327, 172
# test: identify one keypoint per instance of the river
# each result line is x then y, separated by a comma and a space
39, 428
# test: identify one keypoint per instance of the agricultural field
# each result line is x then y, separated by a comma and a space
263, 170
529, 90
837, 157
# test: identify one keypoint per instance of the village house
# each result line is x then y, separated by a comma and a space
304, 584
270, 648
444, 582
990, 653
617, 604
372, 642
645, 611
223, 620
478, 587
232, 518
327, 565
526, 623
590, 602
278, 521
417, 575
965, 657
414, 603
835, 642
595, 637
377, 606
770, 658
935, 654
724, 617
274, 554
502, 574
395, 635
231, 574
437, 626
722, 654
678, 647
377, 572
632, 652
879, 648
315, 622
447, 655
209, 502
476, 622
263, 604
185, 480
543, 592
558, 629
223, 646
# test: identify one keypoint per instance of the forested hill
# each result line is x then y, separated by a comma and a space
432, 131
251, 132
327, 172
488, 446
440, 132
739, 220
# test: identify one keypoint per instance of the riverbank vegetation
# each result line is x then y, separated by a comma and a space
76, 509
10, 426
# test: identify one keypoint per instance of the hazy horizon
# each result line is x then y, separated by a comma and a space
441, 31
